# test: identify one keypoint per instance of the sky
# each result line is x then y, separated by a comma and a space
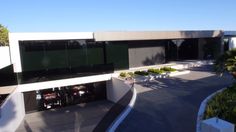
117, 15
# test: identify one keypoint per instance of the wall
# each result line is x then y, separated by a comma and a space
232, 43
14, 39
12, 112
154, 35
5, 56
144, 54
63, 82
116, 89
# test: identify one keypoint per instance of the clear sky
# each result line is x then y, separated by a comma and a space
117, 15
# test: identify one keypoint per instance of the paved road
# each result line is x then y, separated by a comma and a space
78, 118
171, 105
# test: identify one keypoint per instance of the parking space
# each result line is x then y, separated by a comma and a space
77, 118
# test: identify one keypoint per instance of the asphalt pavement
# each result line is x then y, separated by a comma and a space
171, 104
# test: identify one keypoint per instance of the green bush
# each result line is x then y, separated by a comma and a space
123, 74
223, 105
168, 69
142, 73
156, 71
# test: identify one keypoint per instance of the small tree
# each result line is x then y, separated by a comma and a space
227, 62
3, 36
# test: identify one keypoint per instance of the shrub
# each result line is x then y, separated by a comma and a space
156, 71
223, 105
131, 74
142, 73
168, 69
123, 74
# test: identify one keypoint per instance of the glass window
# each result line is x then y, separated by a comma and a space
117, 54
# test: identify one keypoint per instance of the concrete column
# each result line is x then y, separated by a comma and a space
201, 42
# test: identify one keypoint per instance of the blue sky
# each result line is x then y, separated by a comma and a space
117, 15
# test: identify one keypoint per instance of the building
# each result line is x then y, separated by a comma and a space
50, 70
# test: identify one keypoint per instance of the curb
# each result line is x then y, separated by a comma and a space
202, 109
124, 114
179, 73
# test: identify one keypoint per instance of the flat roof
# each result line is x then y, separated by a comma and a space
155, 35
117, 35
50, 36
229, 33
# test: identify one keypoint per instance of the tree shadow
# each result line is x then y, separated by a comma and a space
155, 59
201, 34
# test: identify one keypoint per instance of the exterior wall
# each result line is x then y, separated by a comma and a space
63, 82
12, 112
14, 39
212, 46
154, 35
232, 43
5, 56
116, 89
146, 54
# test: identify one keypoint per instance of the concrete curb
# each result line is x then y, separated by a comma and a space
124, 114
203, 108
179, 73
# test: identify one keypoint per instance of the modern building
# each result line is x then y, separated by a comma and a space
50, 70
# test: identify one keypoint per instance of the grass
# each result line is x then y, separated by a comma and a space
223, 105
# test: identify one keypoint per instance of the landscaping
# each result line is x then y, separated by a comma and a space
148, 72
126, 74
223, 105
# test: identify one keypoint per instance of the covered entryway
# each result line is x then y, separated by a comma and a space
59, 97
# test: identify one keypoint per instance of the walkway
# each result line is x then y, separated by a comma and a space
78, 118
171, 105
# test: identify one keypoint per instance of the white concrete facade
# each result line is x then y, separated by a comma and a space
12, 112
232, 43
62, 82
5, 57
14, 39
116, 89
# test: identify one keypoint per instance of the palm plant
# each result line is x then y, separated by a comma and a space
227, 62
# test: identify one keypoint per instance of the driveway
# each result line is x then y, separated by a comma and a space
171, 104
78, 118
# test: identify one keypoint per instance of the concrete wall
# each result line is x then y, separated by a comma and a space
232, 42
5, 56
154, 35
116, 89
12, 112
146, 56
63, 82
